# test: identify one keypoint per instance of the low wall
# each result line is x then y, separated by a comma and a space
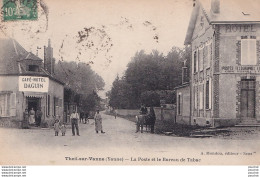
127, 112
10, 123
164, 114
160, 114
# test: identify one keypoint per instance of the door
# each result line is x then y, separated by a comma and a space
248, 98
34, 103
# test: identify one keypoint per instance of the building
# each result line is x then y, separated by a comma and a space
225, 74
25, 82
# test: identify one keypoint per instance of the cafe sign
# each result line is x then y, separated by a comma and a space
240, 69
33, 84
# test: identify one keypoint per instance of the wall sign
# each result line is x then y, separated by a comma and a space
240, 28
33, 84
240, 69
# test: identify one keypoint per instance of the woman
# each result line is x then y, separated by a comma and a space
98, 122
32, 116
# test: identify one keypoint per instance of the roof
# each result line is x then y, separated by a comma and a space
231, 12
187, 84
12, 55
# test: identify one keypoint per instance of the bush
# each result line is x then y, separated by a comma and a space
171, 126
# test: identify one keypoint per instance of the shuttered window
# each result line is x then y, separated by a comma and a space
7, 105
201, 59
179, 104
13, 104
248, 52
208, 94
195, 61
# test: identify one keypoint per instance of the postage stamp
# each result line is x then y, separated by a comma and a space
14, 10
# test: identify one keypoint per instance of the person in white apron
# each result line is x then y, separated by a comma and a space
32, 116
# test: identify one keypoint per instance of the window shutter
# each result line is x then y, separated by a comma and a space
252, 51
210, 93
13, 104
248, 52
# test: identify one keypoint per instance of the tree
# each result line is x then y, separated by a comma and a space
148, 74
81, 84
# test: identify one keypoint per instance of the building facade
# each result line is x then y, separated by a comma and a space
25, 83
225, 72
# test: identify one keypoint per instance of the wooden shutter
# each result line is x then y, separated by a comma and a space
13, 104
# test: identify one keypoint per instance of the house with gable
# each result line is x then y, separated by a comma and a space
224, 86
26, 82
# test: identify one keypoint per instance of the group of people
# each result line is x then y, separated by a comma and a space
145, 118
75, 118
32, 118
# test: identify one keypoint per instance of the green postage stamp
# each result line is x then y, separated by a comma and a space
14, 10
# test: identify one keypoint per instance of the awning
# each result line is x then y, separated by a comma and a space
34, 94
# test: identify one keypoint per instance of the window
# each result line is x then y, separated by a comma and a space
208, 94
48, 104
201, 97
195, 62
248, 51
54, 106
195, 98
209, 55
179, 103
7, 104
201, 100
201, 59
34, 68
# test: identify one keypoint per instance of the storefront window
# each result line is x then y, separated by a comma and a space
248, 51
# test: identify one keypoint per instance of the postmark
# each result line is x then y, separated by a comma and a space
17, 10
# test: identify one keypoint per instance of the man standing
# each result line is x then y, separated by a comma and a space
143, 109
38, 117
74, 123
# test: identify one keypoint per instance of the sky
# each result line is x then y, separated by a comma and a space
103, 33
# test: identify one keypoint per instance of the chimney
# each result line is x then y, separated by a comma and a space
215, 6
49, 61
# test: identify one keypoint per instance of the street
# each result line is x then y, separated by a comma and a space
40, 146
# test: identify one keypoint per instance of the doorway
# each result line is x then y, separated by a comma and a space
34, 103
248, 98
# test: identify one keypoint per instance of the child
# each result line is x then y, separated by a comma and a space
57, 127
63, 129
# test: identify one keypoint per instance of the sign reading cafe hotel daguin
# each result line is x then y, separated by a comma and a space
33, 84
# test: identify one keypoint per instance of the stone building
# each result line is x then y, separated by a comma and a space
25, 82
225, 74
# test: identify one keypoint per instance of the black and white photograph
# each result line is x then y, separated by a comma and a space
125, 82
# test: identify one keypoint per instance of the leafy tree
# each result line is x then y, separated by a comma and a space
146, 76
81, 84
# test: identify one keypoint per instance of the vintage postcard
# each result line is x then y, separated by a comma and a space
127, 82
